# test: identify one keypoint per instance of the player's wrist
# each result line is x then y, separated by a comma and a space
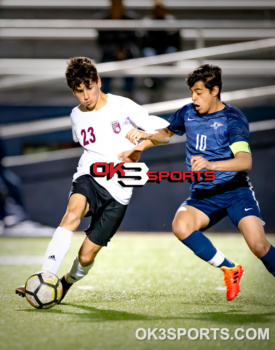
140, 147
212, 166
145, 144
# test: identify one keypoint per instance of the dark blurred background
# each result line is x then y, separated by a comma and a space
143, 50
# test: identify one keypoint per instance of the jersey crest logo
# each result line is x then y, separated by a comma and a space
215, 125
116, 127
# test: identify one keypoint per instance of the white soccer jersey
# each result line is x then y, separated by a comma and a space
102, 135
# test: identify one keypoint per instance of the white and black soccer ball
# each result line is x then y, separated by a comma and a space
43, 290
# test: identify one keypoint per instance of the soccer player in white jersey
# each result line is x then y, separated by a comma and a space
100, 124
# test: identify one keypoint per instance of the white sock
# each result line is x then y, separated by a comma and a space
217, 259
77, 272
57, 249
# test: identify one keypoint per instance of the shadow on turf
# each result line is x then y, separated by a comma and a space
232, 317
92, 314
233, 312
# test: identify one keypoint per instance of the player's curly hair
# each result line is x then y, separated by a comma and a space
81, 70
210, 75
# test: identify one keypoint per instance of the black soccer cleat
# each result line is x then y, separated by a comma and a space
21, 291
66, 286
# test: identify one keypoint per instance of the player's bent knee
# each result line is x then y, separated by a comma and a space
260, 248
181, 229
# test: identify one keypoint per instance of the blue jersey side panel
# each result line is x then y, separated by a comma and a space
209, 136
177, 125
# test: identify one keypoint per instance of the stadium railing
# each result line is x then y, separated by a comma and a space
64, 123
141, 4
55, 66
199, 31
140, 24
54, 69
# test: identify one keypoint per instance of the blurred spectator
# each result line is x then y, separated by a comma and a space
118, 45
11, 204
14, 219
160, 42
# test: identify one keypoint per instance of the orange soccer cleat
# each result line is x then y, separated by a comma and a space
232, 277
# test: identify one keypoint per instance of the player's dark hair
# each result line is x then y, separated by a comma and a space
81, 70
210, 75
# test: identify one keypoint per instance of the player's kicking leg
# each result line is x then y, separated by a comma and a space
82, 264
186, 226
101, 230
62, 237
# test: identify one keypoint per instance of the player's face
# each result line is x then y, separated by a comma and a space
89, 96
204, 100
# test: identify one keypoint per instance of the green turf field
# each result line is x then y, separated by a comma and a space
139, 281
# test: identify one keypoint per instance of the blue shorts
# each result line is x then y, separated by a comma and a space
236, 203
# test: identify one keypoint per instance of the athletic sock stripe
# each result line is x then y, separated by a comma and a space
217, 259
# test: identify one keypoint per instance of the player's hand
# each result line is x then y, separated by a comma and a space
198, 163
135, 135
131, 156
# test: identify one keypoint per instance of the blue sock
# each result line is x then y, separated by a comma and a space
227, 263
269, 260
204, 249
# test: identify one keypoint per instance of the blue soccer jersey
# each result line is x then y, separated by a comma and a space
210, 136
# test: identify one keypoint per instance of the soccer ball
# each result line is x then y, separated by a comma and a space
43, 290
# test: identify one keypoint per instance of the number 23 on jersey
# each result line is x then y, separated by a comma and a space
88, 136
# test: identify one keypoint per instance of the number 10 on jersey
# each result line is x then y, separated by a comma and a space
201, 142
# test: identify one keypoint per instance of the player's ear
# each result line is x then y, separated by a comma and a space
99, 82
215, 91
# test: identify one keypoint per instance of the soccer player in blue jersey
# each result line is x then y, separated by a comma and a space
217, 136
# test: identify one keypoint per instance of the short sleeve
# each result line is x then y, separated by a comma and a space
140, 118
73, 129
177, 121
238, 128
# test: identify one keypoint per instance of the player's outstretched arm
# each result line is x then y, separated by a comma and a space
133, 155
160, 136
150, 140
241, 162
